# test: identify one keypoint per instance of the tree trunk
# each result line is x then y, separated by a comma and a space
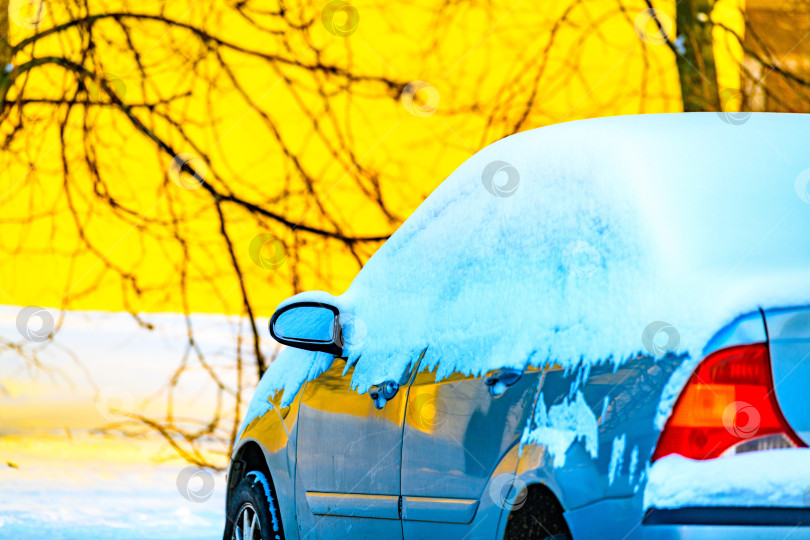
5, 48
5, 55
695, 57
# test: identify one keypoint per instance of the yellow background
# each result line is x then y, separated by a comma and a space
483, 60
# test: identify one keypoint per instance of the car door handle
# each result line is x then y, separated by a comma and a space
499, 381
382, 393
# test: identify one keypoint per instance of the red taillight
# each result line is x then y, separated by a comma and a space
728, 400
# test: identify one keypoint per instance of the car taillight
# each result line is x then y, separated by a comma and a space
728, 406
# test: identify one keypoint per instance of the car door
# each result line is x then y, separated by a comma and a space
456, 433
349, 457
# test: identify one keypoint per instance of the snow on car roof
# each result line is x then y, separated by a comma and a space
565, 243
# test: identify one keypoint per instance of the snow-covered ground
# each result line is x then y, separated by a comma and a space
61, 478
93, 495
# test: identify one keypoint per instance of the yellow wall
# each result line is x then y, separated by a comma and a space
482, 59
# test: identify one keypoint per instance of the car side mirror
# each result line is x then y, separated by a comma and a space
311, 326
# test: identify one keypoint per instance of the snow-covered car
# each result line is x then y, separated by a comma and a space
597, 329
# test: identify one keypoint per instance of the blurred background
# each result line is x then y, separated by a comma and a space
171, 171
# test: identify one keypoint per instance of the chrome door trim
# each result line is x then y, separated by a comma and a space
353, 505
441, 510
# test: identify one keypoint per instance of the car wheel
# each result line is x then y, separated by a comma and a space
253, 511
540, 517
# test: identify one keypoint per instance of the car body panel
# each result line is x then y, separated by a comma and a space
275, 433
624, 400
457, 432
743, 330
353, 505
615, 518
438, 509
619, 519
490, 513
622, 410
348, 459
449, 493
789, 344
633, 391
712, 532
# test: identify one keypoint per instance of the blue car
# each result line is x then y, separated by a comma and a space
593, 330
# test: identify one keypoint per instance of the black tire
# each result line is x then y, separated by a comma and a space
253, 503
540, 517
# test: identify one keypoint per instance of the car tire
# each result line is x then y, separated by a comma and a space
540, 517
253, 511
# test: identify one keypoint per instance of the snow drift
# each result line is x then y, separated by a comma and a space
774, 478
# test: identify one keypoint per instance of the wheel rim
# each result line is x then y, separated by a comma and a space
247, 526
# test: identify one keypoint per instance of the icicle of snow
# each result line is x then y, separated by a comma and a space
605, 403
616, 457
633, 463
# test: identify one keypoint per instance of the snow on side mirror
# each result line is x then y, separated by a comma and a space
311, 326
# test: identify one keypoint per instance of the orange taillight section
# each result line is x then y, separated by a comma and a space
702, 405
